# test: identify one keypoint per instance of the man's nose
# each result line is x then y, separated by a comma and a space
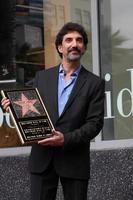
74, 43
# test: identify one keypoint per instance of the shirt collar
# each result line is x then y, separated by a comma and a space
75, 73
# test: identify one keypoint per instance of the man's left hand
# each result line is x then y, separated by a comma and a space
56, 140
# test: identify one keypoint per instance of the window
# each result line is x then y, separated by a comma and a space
61, 13
27, 34
21, 53
78, 15
86, 19
116, 52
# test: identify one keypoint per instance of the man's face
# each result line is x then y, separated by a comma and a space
72, 47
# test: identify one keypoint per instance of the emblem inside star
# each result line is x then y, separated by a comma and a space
27, 105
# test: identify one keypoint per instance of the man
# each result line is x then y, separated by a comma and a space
74, 98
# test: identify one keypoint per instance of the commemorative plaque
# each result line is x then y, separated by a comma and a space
29, 114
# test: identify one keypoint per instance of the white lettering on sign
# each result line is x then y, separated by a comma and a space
119, 100
120, 95
4, 116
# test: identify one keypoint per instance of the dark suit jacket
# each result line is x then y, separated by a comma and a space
81, 121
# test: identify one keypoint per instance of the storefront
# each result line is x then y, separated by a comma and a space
27, 45
27, 36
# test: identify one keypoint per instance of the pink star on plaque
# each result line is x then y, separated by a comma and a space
26, 104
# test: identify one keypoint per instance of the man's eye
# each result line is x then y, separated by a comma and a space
68, 40
80, 40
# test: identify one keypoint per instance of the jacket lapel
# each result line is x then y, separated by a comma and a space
53, 92
76, 89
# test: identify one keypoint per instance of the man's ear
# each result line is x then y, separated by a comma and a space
60, 48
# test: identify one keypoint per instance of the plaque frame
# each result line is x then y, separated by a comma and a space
29, 114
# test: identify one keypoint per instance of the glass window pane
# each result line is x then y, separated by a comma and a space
29, 40
74, 10
27, 36
22, 53
116, 51
78, 15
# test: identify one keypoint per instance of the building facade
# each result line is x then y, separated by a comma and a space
27, 32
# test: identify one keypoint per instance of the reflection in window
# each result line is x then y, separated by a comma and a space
116, 45
29, 41
65, 11
61, 15
86, 19
78, 15
27, 36
53, 15
7, 42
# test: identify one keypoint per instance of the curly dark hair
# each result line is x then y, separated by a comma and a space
70, 27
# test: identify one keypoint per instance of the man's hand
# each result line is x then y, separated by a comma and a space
56, 140
5, 104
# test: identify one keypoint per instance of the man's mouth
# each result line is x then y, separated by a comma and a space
74, 50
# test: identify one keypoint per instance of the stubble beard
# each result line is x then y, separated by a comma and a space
74, 54
73, 57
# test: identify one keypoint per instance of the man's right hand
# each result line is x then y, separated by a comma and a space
5, 104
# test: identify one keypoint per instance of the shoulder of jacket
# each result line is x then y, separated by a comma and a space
90, 74
47, 71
